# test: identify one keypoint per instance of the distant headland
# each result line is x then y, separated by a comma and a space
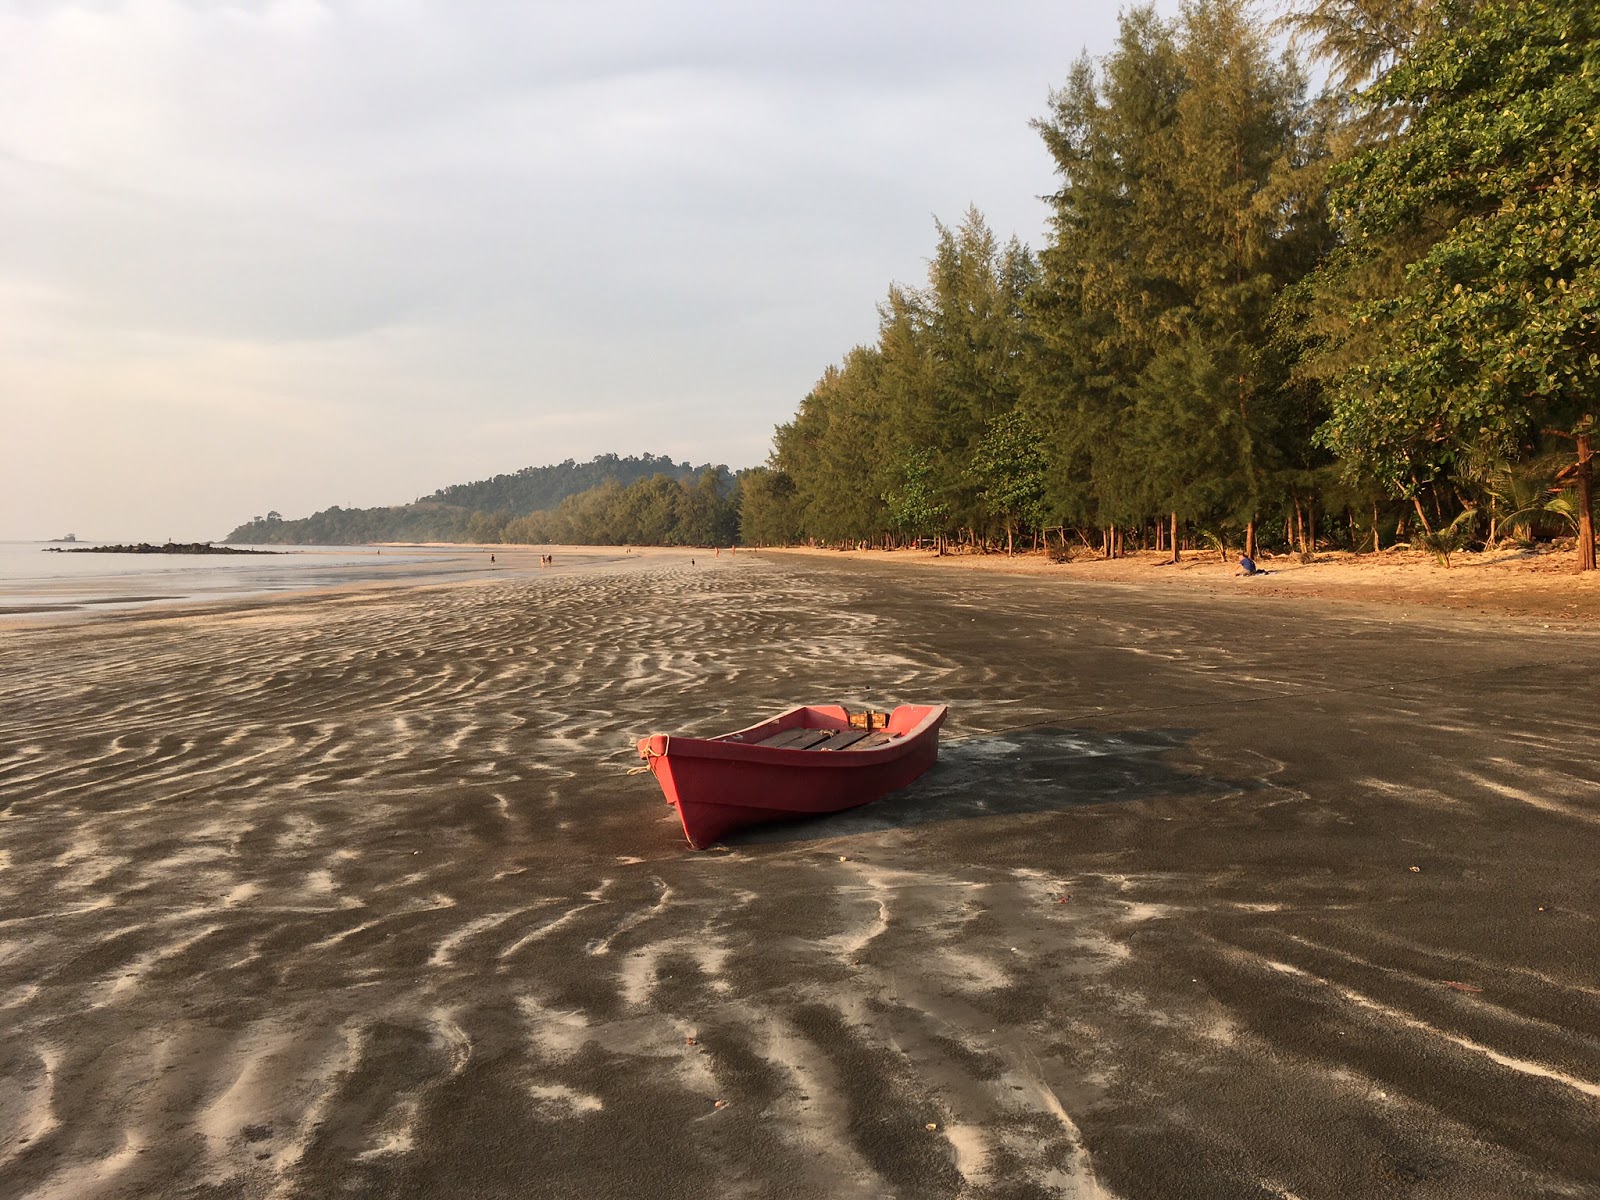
164, 548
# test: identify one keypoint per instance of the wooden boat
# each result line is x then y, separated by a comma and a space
809, 761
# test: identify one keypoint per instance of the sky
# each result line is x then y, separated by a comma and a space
286, 254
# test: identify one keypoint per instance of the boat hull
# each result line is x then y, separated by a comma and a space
720, 785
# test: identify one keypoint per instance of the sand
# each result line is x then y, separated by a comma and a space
1542, 583
1212, 894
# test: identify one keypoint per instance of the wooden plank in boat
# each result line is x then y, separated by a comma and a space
795, 739
873, 741
784, 737
843, 740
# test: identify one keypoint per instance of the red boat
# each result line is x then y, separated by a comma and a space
806, 762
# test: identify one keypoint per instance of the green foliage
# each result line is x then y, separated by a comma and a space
1010, 469
913, 506
1187, 204
834, 451
1520, 497
947, 362
1361, 41
1442, 543
1140, 346
533, 489
768, 514
660, 511
1253, 305
1492, 330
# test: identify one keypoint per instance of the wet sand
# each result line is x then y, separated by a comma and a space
1208, 897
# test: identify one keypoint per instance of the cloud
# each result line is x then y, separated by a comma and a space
499, 233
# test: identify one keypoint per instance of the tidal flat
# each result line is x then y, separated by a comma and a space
352, 893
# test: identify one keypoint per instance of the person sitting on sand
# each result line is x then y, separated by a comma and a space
1247, 566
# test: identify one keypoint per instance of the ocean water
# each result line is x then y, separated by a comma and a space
39, 584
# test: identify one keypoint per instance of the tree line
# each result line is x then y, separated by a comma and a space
1261, 316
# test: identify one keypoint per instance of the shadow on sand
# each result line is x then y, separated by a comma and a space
1028, 771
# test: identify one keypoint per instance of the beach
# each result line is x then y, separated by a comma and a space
1505, 582
1213, 893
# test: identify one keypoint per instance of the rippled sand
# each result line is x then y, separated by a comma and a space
355, 896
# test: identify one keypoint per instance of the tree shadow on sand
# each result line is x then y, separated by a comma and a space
1027, 771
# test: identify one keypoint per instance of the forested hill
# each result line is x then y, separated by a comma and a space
533, 489
474, 512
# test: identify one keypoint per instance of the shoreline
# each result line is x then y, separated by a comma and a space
327, 573
1514, 584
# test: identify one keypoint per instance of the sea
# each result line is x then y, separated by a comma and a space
36, 583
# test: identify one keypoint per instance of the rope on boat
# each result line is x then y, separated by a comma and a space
647, 753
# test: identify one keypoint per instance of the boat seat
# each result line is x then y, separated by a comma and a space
873, 740
827, 739
843, 740
796, 739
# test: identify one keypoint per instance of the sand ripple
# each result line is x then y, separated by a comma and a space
358, 898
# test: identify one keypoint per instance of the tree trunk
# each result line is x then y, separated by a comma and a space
1299, 526
1585, 475
1250, 539
1416, 501
1011, 551
1175, 551
1311, 526
1377, 546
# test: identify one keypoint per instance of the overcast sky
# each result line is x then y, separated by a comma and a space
285, 255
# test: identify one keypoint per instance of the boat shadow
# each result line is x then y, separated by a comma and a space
1041, 769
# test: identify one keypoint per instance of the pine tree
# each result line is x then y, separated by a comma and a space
1183, 213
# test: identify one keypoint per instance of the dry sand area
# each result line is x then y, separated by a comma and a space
1212, 894
1507, 582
